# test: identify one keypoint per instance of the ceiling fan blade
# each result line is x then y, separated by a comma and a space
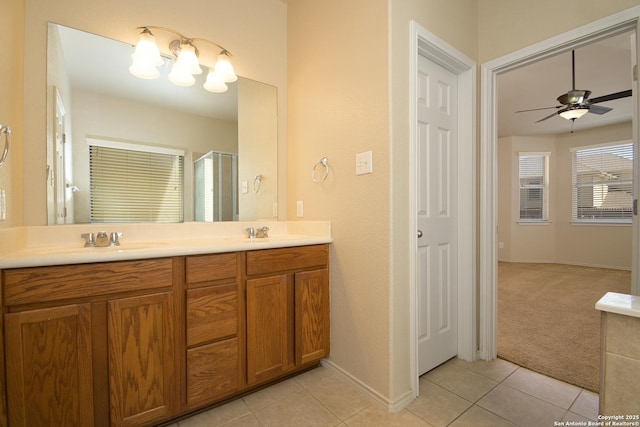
599, 109
611, 97
538, 109
548, 117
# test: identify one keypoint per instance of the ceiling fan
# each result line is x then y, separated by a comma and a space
576, 103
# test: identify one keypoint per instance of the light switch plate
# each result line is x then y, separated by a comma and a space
364, 163
299, 208
245, 187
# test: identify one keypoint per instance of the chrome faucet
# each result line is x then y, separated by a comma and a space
257, 233
114, 238
262, 232
89, 240
102, 239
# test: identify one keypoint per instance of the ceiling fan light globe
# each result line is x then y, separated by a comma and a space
573, 113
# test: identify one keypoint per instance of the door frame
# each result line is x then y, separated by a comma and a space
602, 28
426, 44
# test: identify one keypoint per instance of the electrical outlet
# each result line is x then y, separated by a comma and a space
501, 245
299, 208
364, 163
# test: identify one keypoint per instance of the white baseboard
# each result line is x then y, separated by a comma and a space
392, 406
577, 264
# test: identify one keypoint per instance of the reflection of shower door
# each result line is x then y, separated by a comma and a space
216, 189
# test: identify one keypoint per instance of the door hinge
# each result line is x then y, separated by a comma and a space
635, 72
635, 207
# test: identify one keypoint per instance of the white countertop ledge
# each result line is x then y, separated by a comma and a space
613, 302
61, 245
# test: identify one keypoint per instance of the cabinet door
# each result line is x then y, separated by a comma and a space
142, 362
49, 371
312, 316
268, 333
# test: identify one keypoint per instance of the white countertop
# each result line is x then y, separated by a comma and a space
59, 245
613, 302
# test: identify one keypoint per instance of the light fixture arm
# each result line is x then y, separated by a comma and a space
183, 38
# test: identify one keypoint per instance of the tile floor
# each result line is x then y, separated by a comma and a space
457, 393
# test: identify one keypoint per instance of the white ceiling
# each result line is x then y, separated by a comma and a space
603, 67
101, 65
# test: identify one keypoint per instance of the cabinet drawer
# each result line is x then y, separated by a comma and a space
213, 371
206, 268
286, 259
212, 313
40, 284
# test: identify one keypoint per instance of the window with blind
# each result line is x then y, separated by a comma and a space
603, 183
533, 178
131, 185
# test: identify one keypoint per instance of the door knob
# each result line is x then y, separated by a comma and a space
419, 234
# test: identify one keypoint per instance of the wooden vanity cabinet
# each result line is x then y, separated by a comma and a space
138, 343
91, 344
215, 328
287, 310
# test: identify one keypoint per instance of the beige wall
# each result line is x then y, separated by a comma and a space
505, 26
348, 72
11, 77
559, 241
339, 106
254, 31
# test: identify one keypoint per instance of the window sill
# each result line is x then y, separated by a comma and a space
533, 222
602, 223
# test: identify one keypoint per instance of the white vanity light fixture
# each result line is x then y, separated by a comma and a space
146, 59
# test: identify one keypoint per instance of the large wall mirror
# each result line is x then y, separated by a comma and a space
212, 156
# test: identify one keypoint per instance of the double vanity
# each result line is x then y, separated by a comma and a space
175, 319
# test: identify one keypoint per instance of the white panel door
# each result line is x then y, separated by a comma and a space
437, 215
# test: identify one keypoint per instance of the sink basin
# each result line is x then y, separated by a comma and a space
79, 250
240, 239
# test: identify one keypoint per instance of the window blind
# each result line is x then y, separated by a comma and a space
533, 186
135, 186
603, 183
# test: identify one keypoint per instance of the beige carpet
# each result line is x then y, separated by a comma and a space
547, 321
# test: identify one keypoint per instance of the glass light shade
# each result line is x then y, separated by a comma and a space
143, 69
224, 68
146, 57
188, 59
574, 113
180, 75
214, 83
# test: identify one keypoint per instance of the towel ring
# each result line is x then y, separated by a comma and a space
6, 131
256, 183
322, 162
